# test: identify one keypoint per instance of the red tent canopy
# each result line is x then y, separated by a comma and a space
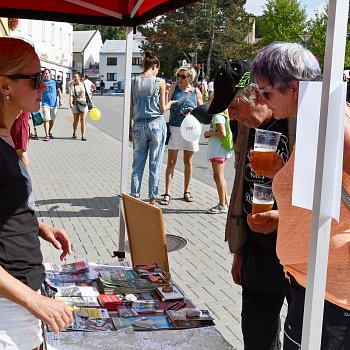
122, 13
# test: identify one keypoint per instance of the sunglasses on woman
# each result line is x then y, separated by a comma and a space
37, 78
182, 76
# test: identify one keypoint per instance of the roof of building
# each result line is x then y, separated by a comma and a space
81, 39
119, 46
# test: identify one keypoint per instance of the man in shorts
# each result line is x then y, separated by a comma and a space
49, 104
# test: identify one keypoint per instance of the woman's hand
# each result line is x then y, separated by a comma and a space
206, 134
265, 223
277, 164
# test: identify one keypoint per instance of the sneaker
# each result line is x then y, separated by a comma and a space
218, 209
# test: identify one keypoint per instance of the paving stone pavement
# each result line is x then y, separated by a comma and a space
76, 185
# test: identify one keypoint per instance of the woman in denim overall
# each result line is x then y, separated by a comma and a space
148, 130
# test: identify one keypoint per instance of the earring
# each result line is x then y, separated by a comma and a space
7, 97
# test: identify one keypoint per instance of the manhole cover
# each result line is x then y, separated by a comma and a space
173, 243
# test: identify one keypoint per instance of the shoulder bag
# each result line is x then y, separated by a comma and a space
80, 104
88, 100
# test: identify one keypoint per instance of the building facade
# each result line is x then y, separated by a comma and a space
53, 42
112, 62
86, 52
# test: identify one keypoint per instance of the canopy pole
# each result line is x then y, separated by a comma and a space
125, 135
321, 220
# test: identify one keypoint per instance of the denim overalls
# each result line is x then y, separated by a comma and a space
148, 133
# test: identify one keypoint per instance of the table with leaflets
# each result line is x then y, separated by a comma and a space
117, 306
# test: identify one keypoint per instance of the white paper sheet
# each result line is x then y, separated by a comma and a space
306, 147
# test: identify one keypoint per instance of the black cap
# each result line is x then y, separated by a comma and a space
231, 77
201, 113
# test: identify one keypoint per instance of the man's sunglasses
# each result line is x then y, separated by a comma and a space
37, 78
182, 76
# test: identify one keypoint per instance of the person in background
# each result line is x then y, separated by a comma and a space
210, 89
78, 104
205, 88
277, 70
49, 104
102, 87
20, 136
21, 261
148, 129
97, 84
90, 86
187, 98
255, 265
218, 155
59, 87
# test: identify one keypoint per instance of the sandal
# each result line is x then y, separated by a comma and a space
188, 197
74, 135
166, 199
46, 138
83, 139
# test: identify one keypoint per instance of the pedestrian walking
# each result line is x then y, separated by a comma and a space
102, 87
49, 104
148, 129
78, 104
90, 86
187, 98
21, 261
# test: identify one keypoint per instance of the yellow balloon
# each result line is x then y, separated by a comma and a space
95, 113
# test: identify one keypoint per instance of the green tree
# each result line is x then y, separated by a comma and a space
211, 30
282, 20
317, 27
106, 32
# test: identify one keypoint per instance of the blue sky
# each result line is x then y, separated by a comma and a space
255, 6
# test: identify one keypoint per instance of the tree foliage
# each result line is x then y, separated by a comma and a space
282, 20
212, 31
106, 32
317, 27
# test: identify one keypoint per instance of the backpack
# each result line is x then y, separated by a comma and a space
227, 141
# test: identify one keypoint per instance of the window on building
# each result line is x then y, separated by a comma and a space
111, 76
136, 61
111, 61
53, 33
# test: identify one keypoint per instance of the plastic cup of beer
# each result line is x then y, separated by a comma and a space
265, 145
263, 199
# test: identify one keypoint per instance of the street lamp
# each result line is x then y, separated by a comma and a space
305, 38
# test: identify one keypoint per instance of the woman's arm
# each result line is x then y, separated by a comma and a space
199, 97
53, 312
165, 104
169, 93
221, 132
